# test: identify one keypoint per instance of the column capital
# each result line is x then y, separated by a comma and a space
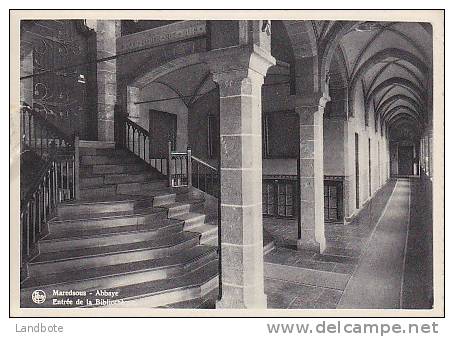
239, 62
315, 102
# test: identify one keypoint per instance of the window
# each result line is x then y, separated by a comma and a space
280, 135
278, 198
333, 197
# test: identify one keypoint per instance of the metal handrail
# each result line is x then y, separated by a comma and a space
204, 163
60, 134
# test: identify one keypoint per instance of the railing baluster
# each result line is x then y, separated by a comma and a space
133, 140
44, 201
76, 169
60, 187
198, 175
35, 143
138, 143
54, 182
58, 176
169, 156
41, 138
189, 167
33, 220
73, 178
67, 177
49, 201
27, 230
47, 141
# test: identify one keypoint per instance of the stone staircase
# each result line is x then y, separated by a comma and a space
129, 235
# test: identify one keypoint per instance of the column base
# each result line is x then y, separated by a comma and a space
233, 301
311, 244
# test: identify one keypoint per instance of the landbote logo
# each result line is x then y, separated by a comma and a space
38, 296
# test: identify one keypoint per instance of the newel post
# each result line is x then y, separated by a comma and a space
169, 157
189, 167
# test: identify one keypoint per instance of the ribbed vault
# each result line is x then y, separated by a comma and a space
389, 62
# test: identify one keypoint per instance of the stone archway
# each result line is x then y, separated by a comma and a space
147, 90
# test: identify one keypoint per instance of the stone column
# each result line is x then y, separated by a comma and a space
240, 73
311, 174
106, 39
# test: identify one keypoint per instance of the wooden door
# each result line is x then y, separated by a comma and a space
163, 127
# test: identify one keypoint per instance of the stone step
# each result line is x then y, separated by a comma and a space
106, 236
96, 144
113, 179
132, 177
121, 202
91, 151
115, 158
147, 192
207, 301
196, 283
207, 231
77, 222
91, 182
131, 188
115, 204
88, 171
83, 258
121, 274
191, 219
211, 242
98, 192
180, 207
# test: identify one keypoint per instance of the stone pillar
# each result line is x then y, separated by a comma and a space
311, 174
106, 39
240, 73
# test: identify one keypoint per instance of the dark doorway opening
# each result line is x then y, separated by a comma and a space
370, 171
163, 128
405, 160
357, 169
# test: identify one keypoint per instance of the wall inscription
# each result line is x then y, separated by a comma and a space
161, 35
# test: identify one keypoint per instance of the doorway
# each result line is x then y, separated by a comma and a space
405, 160
163, 128
357, 170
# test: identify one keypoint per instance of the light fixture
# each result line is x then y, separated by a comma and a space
81, 79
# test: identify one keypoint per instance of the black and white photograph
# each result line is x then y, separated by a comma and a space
171, 166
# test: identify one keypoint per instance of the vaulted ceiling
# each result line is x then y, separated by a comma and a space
387, 65
390, 63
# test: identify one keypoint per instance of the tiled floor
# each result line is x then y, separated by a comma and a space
345, 243
340, 261
289, 295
